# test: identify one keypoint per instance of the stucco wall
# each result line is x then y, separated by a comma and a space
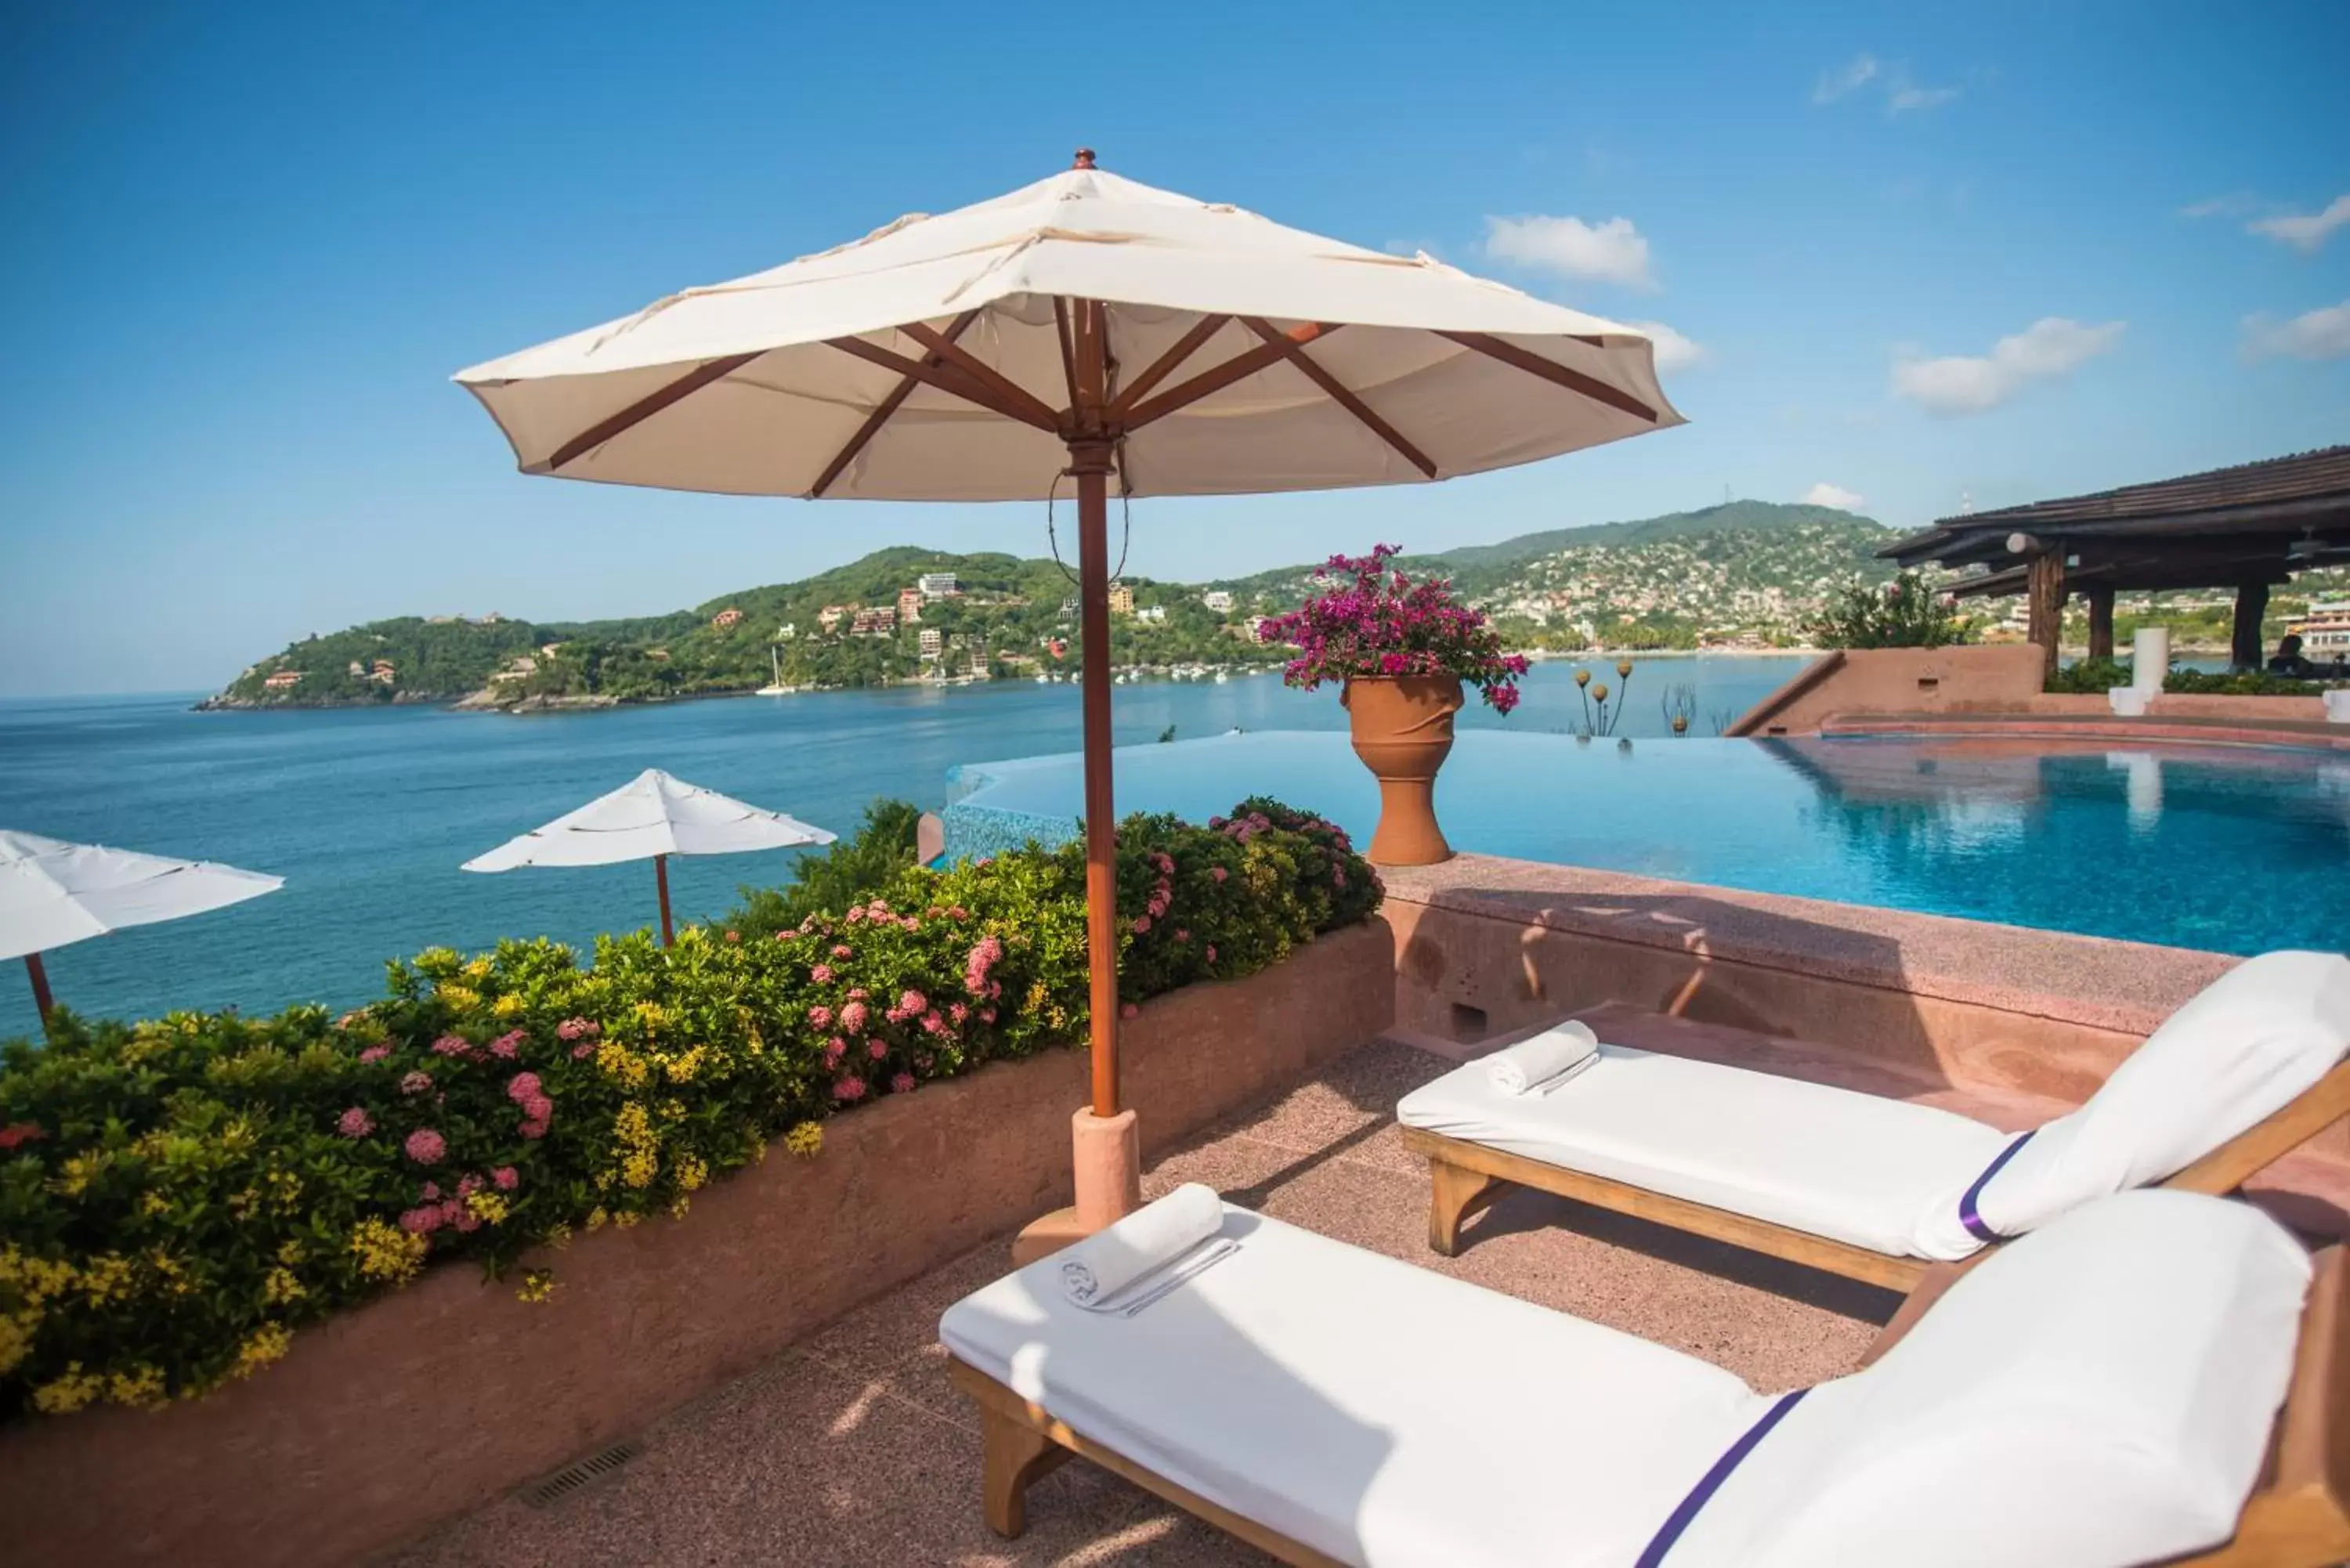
1897, 680
383, 1422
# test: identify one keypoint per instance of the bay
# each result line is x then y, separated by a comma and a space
367, 813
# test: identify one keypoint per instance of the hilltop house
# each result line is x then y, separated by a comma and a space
728, 617
283, 680
829, 616
522, 664
910, 606
934, 642
1153, 613
1218, 600
879, 622
939, 586
1121, 599
383, 673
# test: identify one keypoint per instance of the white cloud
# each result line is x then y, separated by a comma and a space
1969, 384
1611, 251
2304, 232
1903, 96
1833, 85
1674, 350
2233, 204
2321, 333
1836, 495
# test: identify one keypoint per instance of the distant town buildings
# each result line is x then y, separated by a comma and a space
829, 616
881, 621
1121, 599
939, 586
282, 679
728, 617
909, 603
1152, 613
1218, 600
934, 642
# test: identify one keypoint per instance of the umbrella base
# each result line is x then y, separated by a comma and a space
1108, 1157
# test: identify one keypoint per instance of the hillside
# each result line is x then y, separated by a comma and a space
1745, 574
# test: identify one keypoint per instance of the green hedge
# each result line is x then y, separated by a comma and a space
177, 1196
2095, 677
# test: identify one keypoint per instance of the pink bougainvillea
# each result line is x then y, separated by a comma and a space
1374, 620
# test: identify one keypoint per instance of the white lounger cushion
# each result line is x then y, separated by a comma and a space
1382, 1414
2236, 1053
2100, 1394
1852, 1168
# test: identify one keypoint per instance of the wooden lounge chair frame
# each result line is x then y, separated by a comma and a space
1464, 1177
2297, 1517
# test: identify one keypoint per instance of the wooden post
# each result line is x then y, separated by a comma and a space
2047, 589
1091, 452
2251, 606
42, 1001
661, 879
2101, 623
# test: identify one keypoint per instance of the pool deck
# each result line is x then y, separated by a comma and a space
851, 1450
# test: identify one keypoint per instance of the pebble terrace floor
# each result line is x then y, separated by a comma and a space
851, 1449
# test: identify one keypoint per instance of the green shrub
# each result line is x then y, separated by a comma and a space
854, 867
177, 1196
2090, 677
2247, 684
1904, 613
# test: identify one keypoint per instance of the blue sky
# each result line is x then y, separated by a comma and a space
2000, 250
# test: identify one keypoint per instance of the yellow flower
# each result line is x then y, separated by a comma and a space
387, 1253
621, 1064
16, 1338
281, 1287
537, 1284
479, 969
488, 1207
650, 1014
263, 1345
597, 1218
677, 1209
625, 1220
682, 1069
507, 1006
73, 1177
105, 1278
35, 1279
153, 1203
805, 1139
691, 1173
291, 1253
460, 998
68, 1392
140, 1388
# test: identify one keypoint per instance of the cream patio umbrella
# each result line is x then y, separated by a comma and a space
52, 893
1088, 328
651, 817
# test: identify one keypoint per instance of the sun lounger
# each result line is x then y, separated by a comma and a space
1876, 1188
2105, 1393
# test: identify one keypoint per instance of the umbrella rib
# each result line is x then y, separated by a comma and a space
946, 379
1233, 369
1207, 326
1551, 371
1340, 394
1068, 354
986, 374
880, 415
643, 408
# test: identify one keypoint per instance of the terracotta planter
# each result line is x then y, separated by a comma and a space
1402, 729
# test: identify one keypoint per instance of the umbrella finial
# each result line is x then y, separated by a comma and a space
1085, 159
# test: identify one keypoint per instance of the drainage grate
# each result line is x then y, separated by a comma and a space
571, 1478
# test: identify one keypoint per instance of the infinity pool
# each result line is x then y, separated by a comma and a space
2233, 849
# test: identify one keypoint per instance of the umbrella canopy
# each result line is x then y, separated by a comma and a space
53, 892
932, 361
1086, 327
651, 814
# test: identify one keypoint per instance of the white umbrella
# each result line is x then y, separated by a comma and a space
1082, 327
654, 817
52, 893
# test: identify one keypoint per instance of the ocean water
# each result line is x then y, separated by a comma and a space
366, 814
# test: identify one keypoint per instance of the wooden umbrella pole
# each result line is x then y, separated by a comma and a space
42, 1001
661, 879
1091, 462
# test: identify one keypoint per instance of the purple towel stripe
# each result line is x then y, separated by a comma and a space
1710, 1482
1967, 1215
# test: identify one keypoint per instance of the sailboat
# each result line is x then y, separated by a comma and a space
775, 664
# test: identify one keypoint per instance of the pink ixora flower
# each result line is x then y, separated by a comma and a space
376, 1052
877, 1049
1211, 953
903, 1084
913, 1001
852, 1018
1141, 925
452, 1046
932, 1023
355, 1123
522, 1087
1219, 873
415, 1083
539, 1108
848, 1090
821, 974
469, 1184
820, 1016
532, 1129
508, 1177
957, 1012
577, 1029
426, 1147
421, 1222
853, 916
1128, 1009
430, 1192
505, 1045
987, 1015
984, 955
585, 1049
840, 949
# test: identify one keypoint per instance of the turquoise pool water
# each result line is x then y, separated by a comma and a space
2233, 849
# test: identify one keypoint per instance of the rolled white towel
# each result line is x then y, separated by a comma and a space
1521, 1068
1097, 1268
